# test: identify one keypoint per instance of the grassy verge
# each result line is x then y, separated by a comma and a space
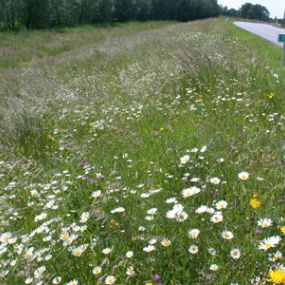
154, 157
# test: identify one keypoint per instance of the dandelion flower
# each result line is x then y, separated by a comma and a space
277, 276
282, 229
254, 203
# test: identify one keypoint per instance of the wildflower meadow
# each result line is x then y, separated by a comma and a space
142, 153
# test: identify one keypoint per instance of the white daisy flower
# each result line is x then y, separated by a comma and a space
84, 217
201, 210
227, 235
107, 250
235, 253
221, 205
129, 254
118, 210
56, 280
110, 279
184, 159
243, 175
194, 233
217, 218
181, 217
165, 242
97, 270
193, 249
96, 194
215, 180
149, 248
130, 271
265, 223
270, 242
214, 267
188, 192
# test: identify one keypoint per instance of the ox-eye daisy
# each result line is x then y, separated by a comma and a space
269, 242
97, 270
243, 175
110, 279
235, 253
194, 233
193, 249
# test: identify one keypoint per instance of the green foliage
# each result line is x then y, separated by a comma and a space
247, 11
37, 14
255, 12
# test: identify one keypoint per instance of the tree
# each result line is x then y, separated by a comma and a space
36, 14
143, 10
124, 10
255, 12
225, 11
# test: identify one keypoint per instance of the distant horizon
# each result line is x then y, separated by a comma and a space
274, 7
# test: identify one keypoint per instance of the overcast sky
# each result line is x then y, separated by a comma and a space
275, 7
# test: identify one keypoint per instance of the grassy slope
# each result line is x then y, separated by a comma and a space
129, 107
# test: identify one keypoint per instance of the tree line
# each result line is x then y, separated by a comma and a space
37, 14
247, 11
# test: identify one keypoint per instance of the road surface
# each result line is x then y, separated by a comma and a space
265, 31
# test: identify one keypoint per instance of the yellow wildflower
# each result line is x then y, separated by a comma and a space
282, 229
270, 95
277, 276
254, 203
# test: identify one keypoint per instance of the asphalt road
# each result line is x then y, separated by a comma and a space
267, 32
